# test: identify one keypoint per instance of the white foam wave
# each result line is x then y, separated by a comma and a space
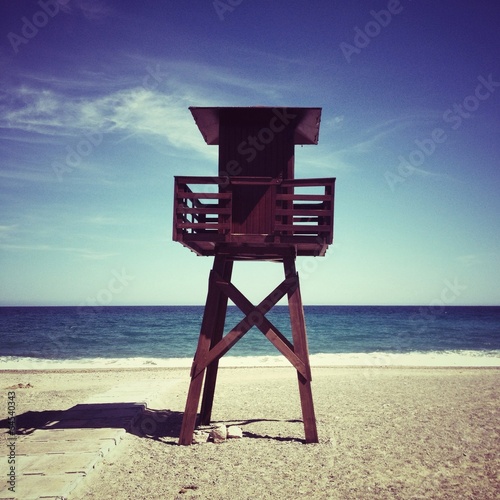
374, 359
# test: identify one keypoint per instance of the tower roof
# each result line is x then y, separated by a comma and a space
304, 121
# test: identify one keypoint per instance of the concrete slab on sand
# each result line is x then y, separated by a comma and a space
52, 464
57, 453
31, 447
41, 486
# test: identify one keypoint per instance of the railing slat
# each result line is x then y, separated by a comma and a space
296, 228
203, 196
304, 197
186, 179
295, 211
199, 225
203, 210
319, 182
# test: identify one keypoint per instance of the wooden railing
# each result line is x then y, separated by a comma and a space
200, 212
303, 209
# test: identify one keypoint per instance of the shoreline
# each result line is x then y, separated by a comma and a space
464, 358
144, 369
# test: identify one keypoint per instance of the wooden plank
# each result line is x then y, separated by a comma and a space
213, 366
199, 179
265, 326
204, 210
310, 182
303, 197
313, 206
299, 211
237, 333
256, 239
199, 225
252, 209
257, 251
211, 236
225, 344
299, 334
176, 233
189, 195
252, 181
298, 228
300, 219
204, 340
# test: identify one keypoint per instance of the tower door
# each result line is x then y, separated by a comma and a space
253, 209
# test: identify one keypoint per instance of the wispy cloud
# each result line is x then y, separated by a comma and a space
133, 111
270, 56
333, 122
42, 112
386, 133
93, 10
474, 259
25, 174
147, 98
322, 163
211, 83
83, 253
41, 171
6, 231
101, 220
372, 137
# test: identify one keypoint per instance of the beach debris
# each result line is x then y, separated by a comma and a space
21, 386
200, 437
219, 433
216, 433
234, 432
185, 489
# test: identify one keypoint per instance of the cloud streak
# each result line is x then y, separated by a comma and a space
84, 253
135, 111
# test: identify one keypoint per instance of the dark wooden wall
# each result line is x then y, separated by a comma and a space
254, 143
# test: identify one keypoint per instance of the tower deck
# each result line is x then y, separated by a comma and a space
295, 213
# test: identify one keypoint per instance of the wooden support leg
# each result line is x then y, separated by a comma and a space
299, 335
204, 342
211, 376
212, 345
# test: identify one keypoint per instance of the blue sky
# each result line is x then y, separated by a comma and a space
94, 124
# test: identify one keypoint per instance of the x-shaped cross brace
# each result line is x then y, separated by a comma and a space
255, 316
212, 345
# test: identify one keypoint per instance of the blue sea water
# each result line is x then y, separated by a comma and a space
167, 336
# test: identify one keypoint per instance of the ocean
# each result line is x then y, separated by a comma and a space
166, 336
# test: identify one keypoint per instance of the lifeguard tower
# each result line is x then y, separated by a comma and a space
254, 209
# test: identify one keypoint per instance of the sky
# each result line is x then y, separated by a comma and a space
94, 124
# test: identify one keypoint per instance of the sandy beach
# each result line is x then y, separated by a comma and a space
384, 433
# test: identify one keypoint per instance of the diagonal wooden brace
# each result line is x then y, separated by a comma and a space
255, 316
212, 344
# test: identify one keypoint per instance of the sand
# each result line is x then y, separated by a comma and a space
384, 433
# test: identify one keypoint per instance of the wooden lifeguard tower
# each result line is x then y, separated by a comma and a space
254, 209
